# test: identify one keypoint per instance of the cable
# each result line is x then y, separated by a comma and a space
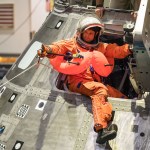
24, 72
7, 38
17, 75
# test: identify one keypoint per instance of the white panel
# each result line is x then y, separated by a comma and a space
30, 55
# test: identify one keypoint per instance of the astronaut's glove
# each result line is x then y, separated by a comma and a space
45, 51
77, 56
130, 47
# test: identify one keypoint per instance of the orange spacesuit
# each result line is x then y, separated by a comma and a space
89, 82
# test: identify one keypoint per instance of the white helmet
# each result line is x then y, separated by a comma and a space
85, 23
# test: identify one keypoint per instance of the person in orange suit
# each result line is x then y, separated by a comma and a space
89, 82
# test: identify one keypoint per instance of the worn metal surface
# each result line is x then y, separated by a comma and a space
58, 119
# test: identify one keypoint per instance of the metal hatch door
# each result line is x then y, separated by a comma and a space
140, 65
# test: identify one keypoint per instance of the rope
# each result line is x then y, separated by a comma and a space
23, 72
45, 65
18, 75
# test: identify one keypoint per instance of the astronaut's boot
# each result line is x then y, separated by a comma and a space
106, 134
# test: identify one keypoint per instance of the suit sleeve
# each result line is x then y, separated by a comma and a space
61, 47
115, 51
